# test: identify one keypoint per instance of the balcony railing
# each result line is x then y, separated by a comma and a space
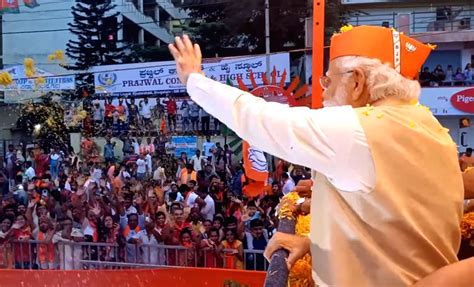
129, 10
415, 21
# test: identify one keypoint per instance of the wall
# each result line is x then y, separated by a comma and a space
50, 15
425, 14
466, 56
445, 58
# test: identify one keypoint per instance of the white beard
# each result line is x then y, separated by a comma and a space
339, 99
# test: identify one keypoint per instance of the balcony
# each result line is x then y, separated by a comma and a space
171, 9
130, 11
440, 25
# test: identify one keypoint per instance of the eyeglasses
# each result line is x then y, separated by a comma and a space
325, 81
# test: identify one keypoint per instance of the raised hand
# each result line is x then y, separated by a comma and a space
188, 57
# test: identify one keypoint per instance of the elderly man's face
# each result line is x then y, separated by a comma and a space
343, 86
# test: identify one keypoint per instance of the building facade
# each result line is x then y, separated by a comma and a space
38, 31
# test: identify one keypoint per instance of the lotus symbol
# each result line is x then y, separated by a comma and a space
258, 160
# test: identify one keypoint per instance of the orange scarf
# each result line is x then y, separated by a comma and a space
95, 234
127, 230
46, 251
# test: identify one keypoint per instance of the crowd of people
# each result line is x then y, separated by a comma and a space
62, 210
449, 77
149, 117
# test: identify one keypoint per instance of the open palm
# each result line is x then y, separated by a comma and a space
188, 57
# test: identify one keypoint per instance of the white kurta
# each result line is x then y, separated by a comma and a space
330, 140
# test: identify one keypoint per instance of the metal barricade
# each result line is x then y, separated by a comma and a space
69, 255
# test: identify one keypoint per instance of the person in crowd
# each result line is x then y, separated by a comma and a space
449, 75
22, 234
426, 77
30, 171
288, 184
210, 249
97, 114
110, 233
194, 114
150, 147
131, 226
141, 168
198, 161
468, 73
109, 151
187, 256
207, 148
46, 250
145, 112
11, 164
299, 173
220, 165
171, 110
232, 251
256, 239
121, 111
150, 238
205, 121
133, 113
185, 115
439, 75
187, 174
207, 205
65, 239
109, 113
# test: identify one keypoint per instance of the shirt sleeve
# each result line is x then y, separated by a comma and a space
123, 221
321, 139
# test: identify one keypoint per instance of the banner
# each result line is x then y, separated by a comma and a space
187, 144
161, 77
22, 83
176, 277
452, 101
9, 6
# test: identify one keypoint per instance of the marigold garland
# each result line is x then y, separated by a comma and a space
301, 272
467, 227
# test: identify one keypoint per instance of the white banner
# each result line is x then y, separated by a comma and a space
161, 77
439, 100
52, 82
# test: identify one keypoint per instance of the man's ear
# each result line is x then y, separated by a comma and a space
359, 80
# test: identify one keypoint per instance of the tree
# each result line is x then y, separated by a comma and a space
96, 28
242, 23
218, 23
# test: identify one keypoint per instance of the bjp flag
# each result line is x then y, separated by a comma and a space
31, 3
9, 6
255, 170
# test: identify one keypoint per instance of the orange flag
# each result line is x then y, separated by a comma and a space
256, 170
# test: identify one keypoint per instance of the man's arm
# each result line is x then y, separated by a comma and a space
312, 138
457, 274
330, 141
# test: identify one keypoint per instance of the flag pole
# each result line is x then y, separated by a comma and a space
318, 52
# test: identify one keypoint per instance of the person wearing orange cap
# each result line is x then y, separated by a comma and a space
385, 211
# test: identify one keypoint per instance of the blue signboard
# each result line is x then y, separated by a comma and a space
185, 144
